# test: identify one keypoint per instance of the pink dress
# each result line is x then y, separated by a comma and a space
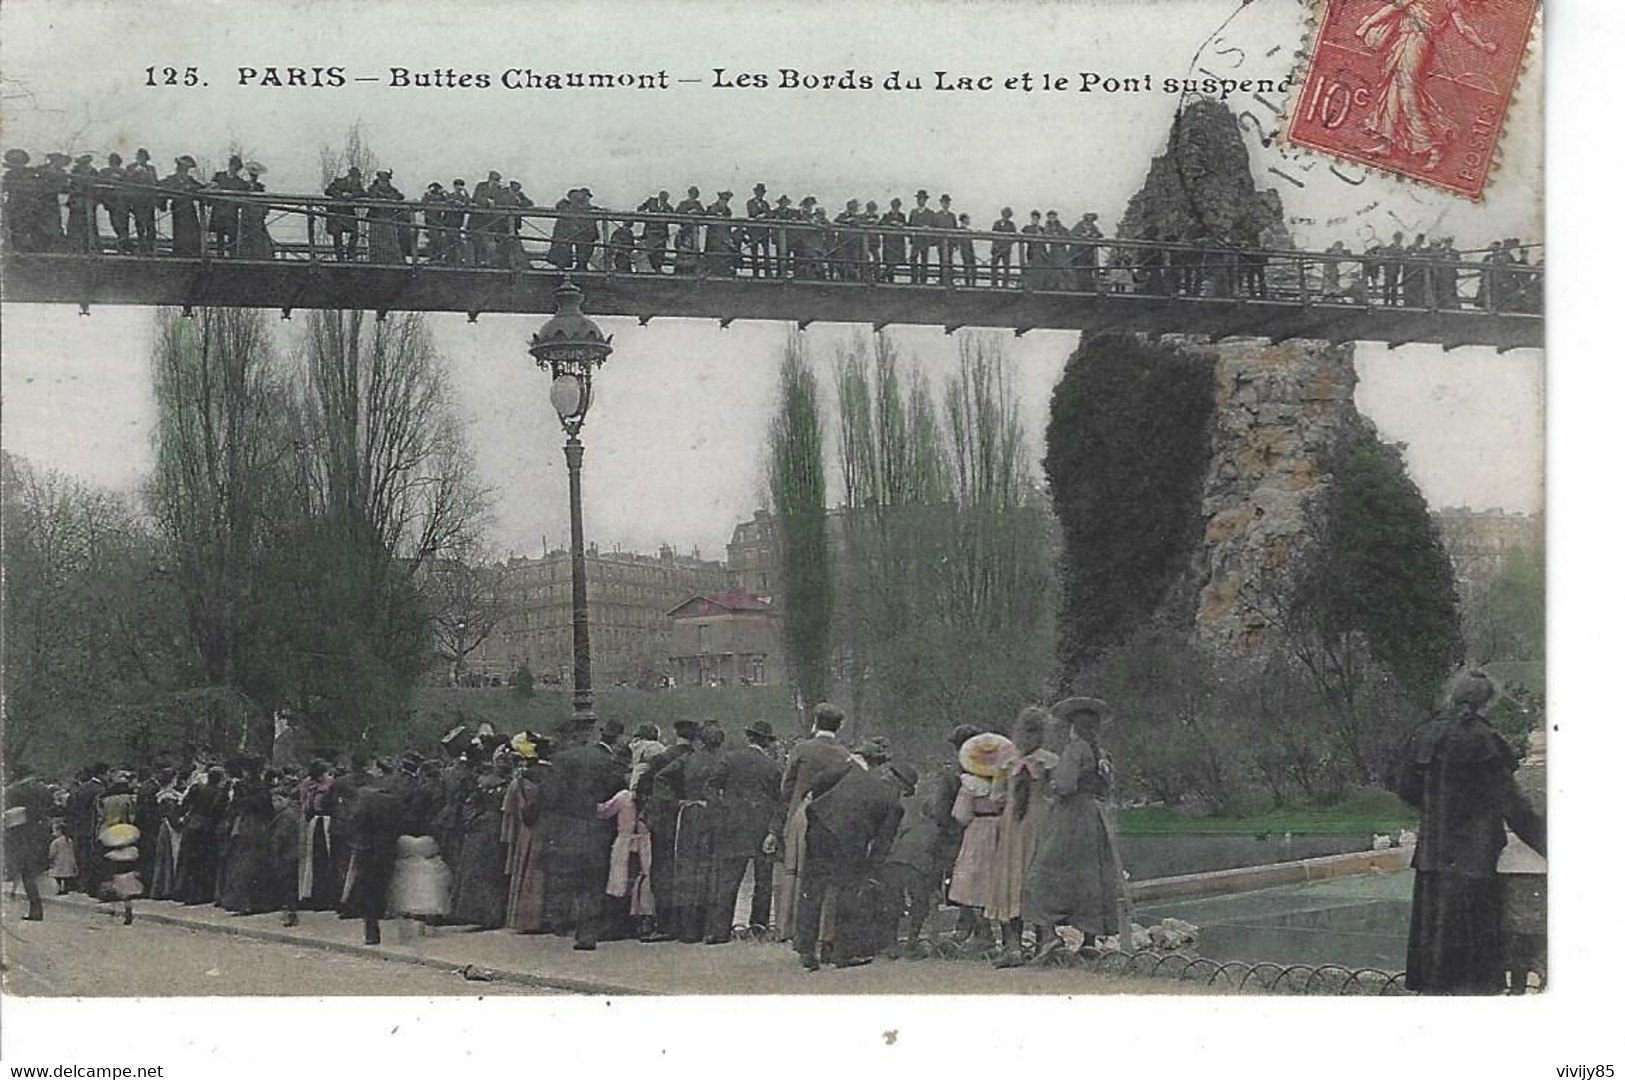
631, 839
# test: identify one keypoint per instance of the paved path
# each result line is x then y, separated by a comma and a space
520, 963
82, 952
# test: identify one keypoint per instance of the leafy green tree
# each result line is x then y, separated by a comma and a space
91, 614
946, 596
1382, 570
796, 483
1507, 619
1126, 453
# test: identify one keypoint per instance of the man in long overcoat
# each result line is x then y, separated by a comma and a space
660, 813
587, 775
379, 821
814, 762
84, 821
850, 828
1458, 771
28, 834
745, 797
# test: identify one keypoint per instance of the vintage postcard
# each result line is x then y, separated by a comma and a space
784, 499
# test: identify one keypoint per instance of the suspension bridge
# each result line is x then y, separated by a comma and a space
476, 260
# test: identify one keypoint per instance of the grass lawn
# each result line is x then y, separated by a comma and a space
1527, 673
1361, 813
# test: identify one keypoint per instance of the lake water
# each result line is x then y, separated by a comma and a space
1155, 856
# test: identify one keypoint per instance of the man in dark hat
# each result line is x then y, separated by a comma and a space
225, 215
893, 245
999, 257
434, 201
660, 811
850, 828
814, 762
587, 774
656, 234
946, 246
920, 243
83, 814
809, 246
783, 239
342, 224
378, 823
21, 194
720, 248
623, 242
756, 237
52, 184
28, 811
179, 197
581, 228
745, 798
111, 195
688, 236
846, 254
141, 178
82, 235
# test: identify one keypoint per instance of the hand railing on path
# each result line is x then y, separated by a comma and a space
430, 234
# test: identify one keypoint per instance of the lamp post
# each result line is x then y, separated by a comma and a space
571, 347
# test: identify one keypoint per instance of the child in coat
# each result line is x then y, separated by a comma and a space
63, 865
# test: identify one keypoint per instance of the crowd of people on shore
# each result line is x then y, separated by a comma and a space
58, 205
603, 837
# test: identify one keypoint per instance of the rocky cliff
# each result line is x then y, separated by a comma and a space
1198, 484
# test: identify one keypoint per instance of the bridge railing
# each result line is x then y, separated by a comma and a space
209, 224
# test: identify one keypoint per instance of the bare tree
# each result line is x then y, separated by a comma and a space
381, 436
466, 604
221, 490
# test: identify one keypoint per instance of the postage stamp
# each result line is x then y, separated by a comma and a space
1419, 88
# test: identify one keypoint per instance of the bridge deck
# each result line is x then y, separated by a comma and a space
287, 284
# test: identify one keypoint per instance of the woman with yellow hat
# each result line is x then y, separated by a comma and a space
977, 807
118, 843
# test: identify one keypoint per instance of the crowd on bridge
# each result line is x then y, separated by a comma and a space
849, 851
58, 206
602, 837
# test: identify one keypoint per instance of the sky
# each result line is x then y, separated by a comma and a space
680, 413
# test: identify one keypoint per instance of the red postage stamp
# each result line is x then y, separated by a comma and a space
1415, 87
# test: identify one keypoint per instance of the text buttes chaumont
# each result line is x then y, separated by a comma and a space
781, 79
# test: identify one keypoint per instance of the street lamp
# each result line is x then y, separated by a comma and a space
571, 346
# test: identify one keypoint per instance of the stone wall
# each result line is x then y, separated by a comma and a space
1279, 408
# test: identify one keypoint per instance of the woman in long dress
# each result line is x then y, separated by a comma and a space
524, 830
166, 839
201, 810
1021, 823
318, 885
1459, 773
479, 885
254, 239
248, 883
1075, 877
978, 806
